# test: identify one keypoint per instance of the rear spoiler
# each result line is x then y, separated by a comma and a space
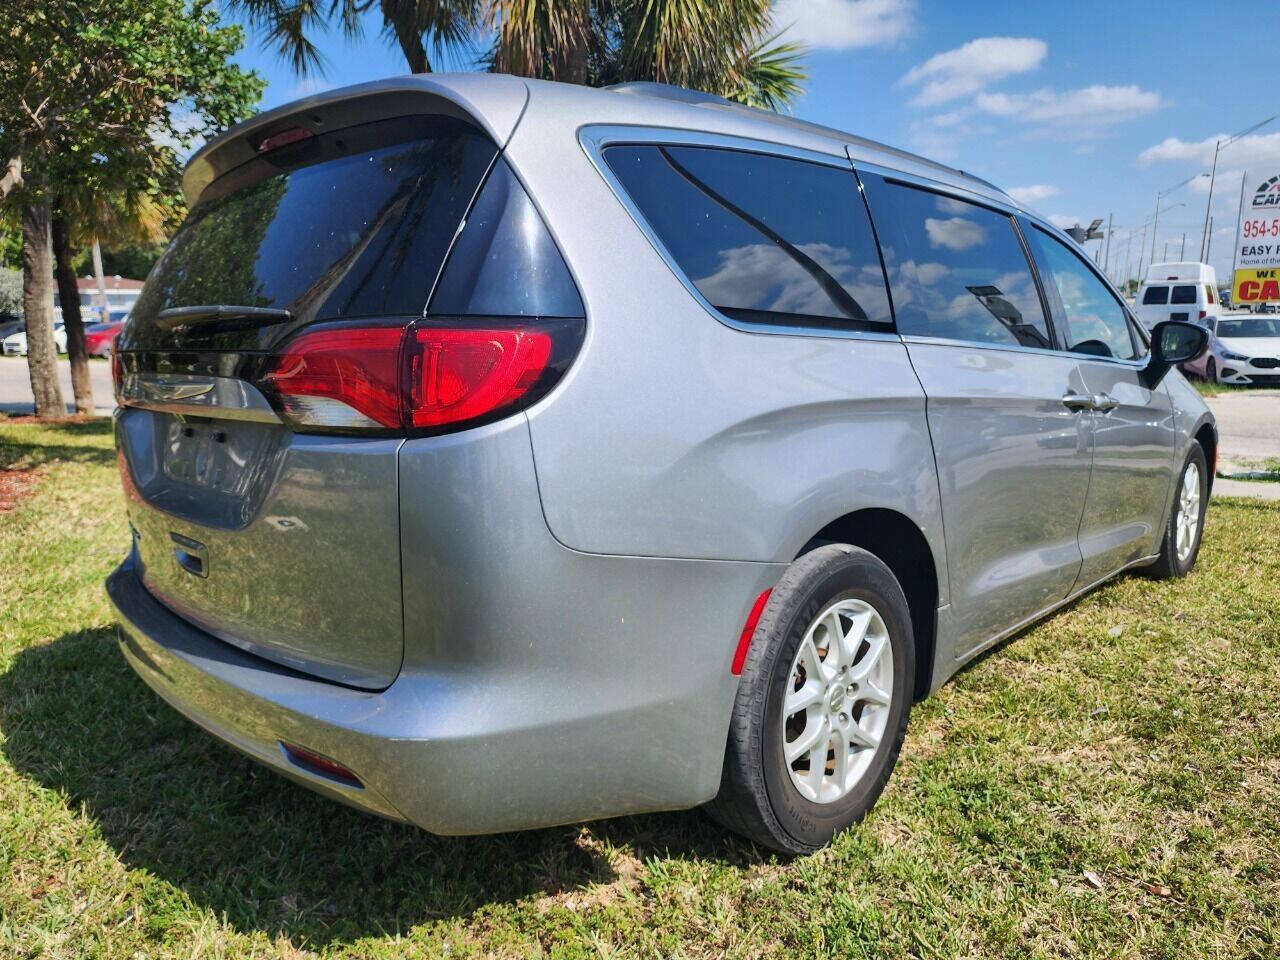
493, 102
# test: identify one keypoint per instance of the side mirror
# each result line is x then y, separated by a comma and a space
1172, 342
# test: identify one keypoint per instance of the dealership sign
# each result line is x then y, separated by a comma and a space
1257, 276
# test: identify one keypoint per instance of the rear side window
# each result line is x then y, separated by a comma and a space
1155, 296
1183, 293
764, 239
505, 263
957, 270
351, 223
1094, 321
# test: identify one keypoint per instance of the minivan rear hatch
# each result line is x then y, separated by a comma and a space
280, 541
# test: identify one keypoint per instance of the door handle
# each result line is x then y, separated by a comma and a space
1104, 402
1078, 401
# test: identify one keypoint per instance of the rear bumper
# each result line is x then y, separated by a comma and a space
540, 685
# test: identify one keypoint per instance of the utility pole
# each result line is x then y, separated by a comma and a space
1213, 171
1142, 249
1183, 254
1239, 211
1208, 241
1165, 256
102, 281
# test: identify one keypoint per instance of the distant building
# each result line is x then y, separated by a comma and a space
122, 294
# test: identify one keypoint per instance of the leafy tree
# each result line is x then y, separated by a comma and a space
719, 46
95, 98
10, 292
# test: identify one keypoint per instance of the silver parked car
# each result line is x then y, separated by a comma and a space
503, 453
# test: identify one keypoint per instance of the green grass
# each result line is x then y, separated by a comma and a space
1106, 785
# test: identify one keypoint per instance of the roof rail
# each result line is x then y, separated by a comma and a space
666, 91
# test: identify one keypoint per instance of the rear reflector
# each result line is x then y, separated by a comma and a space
319, 764
748, 630
419, 378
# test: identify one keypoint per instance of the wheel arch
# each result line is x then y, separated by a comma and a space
1207, 436
900, 543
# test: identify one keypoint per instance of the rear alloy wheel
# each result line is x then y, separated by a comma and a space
1183, 532
823, 703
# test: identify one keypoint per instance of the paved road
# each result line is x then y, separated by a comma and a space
15, 386
1248, 433
1248, 421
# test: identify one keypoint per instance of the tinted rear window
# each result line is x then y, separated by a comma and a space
1156, 295
351, 223
1183, 294
764, 239
957, 270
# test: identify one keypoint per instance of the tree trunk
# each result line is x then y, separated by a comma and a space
69, 294
410, 41
37, 305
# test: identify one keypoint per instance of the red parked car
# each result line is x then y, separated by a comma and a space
99, 336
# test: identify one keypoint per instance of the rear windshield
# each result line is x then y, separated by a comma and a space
1184, 294
1156, 295
351, 223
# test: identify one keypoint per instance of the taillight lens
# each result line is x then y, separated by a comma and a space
347, 378
458, 375
423, 378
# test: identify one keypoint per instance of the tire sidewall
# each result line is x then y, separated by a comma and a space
852, 576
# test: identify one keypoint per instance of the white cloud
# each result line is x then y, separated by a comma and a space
307, 86
954, 233
1255, 148
1094, 106
1033, 193
844, 24
972, 67
1062, 221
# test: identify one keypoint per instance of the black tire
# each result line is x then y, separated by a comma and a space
1211, 370
1168, 566
757, 796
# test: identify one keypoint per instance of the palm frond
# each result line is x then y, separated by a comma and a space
770, 76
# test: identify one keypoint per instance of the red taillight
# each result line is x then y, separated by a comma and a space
462, 374
346, 378
1203, 314
419, 378
748, 630
284, 138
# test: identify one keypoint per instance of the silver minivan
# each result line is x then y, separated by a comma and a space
502, 453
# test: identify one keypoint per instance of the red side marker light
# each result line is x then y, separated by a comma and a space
748, 630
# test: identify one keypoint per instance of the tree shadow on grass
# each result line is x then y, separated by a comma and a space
27, 449
263, 852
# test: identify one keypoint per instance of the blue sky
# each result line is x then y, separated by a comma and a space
1084, 109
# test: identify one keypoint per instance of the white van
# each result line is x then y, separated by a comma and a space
1177, 291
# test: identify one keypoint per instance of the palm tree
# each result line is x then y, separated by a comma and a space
723, 47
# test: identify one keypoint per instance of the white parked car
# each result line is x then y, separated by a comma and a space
15, 345
1244, 348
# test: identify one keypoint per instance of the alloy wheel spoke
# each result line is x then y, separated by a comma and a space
807, 741
873, 694
876, 646
841, 768
863, 738
806, 696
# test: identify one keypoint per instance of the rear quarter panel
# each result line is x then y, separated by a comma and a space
676, 435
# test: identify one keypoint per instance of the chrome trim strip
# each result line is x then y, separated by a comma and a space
226, 398
596, 137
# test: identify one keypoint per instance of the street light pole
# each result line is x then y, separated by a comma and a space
1213, 171
1155, 224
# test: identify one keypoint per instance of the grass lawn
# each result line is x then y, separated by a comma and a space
1106, 785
